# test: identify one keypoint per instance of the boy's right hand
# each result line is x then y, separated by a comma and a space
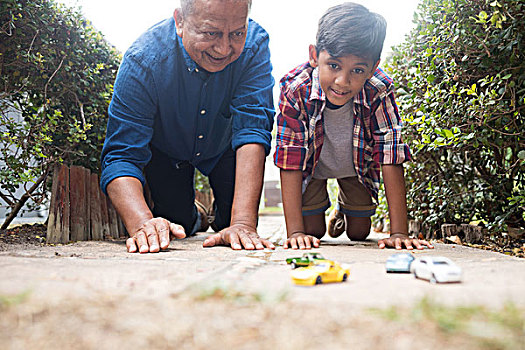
301, 240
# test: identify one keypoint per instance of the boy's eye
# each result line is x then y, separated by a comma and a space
359, 71
333, 65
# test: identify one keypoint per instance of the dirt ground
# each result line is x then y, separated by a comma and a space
34, 235
60, 310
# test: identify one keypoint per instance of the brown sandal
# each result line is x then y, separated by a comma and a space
336, 223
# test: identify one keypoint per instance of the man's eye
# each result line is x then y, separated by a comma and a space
211, 33
238, 34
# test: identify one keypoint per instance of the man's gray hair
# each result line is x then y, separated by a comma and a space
188, 5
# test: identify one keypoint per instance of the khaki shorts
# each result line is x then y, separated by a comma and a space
353, 199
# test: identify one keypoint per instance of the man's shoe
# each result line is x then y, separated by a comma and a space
203, 213
336, 223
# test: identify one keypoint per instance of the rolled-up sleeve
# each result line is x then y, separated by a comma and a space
291, 141
130, 124
389, 147
252, 103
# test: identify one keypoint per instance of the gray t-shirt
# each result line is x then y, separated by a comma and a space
336, 160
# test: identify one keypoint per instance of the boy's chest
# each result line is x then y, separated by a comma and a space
355, 120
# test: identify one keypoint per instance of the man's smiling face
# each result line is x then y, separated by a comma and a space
343, 77
214, 33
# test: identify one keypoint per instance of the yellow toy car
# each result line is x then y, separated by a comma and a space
320, 271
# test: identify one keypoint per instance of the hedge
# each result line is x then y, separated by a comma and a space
461, 92
56, 79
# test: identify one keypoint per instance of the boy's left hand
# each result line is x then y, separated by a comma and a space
301, 241
398, 240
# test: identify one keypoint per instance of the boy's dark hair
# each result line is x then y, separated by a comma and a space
350, 29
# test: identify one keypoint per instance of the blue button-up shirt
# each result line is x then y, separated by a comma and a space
161, 97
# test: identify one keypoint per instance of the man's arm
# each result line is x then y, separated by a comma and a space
393, 177
249, 174
147, 234
291, 181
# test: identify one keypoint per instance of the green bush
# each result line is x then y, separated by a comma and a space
461, 92
56, 79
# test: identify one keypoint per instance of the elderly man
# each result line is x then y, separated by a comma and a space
194, 91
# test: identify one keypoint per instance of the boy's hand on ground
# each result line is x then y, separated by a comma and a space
238, 236
400, 240
154, 235
302, 241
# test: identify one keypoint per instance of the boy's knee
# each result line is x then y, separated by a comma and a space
358, 229
358, 235
316, 234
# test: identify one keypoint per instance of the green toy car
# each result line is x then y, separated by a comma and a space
306, 260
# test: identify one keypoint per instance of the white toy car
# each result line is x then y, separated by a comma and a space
399, 262
436, 269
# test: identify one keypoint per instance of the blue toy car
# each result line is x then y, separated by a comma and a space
399, 262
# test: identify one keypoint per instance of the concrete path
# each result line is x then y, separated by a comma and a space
102, 272
489, 278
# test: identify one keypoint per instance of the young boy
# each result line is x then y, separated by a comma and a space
338, 119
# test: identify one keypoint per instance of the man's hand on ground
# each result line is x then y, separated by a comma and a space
400, 240
301, 241
238, 236
154, 235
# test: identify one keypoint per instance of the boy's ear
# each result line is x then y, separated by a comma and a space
313, 55
373, 70
179, 20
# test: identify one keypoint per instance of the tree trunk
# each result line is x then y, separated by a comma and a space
20, 204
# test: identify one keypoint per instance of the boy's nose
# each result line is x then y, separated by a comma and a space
342, 80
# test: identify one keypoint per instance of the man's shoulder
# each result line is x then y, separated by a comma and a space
255, 35
299, 79
155, 44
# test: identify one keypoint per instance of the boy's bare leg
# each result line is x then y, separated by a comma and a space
315, 225
357, 229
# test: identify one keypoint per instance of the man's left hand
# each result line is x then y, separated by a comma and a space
400, 240
238, 236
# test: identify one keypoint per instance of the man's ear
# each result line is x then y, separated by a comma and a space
312, 50
179, 21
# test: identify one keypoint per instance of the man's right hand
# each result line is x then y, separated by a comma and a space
154, 235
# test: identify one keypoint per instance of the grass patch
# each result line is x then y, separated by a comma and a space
7, 301
490, 329
228, 292
270, 210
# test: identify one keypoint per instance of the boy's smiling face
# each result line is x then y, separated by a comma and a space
343, 77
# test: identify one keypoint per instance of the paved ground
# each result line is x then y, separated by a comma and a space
159, 300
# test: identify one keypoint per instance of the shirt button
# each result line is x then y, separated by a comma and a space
203, 111
201, 136
198, 154
197, 70
189, 69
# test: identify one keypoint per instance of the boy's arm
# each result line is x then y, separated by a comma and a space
395, 190
291, 181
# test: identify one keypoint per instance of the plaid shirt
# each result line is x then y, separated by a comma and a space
377, 126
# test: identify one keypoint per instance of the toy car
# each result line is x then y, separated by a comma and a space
320, 271
436, 269
399, 262
306, 260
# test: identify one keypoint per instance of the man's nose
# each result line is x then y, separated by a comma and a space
222, 45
